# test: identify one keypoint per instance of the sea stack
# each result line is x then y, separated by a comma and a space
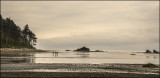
154, 51
148, 51
83, 49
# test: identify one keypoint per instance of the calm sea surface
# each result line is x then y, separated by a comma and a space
83, 57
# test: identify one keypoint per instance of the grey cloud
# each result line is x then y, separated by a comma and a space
97, 24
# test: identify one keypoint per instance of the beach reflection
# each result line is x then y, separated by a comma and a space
83, 55
17, 58
96, 58
55, 54
80, 57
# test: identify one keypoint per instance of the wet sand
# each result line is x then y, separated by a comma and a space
74, 75
62, 70
19, 68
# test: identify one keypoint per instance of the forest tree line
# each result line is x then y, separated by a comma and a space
12, 36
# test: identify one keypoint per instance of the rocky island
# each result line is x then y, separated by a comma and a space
83, 49
97, 51
154, 51
148, 51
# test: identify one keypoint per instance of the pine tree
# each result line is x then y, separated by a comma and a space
13, 36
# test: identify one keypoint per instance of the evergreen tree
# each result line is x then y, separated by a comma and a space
13, 36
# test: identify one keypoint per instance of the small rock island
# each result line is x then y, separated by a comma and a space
148, 51
83, 49
154, 51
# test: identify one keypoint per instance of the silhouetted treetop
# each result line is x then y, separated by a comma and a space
13, 36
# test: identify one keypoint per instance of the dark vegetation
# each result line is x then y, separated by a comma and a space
12, 36
150, 65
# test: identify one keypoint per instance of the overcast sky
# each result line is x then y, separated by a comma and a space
105, 25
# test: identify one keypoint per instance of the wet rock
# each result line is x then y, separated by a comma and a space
154, 51
148, 51
83, 49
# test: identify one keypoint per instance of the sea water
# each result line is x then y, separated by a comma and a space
84, 57
96, 57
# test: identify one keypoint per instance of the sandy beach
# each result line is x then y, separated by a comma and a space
13, 65
79, 70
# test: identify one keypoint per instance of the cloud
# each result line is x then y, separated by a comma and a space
98, 24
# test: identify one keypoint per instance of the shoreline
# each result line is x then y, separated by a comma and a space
62, 70
12, 68
10, 50
74, 75
21, 50
79, 67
